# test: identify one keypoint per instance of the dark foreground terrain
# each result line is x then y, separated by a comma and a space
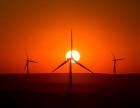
51, 91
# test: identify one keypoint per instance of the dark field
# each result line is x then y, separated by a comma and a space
51, 91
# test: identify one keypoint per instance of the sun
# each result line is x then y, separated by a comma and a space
75, 55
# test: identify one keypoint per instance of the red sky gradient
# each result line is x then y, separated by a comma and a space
43, 28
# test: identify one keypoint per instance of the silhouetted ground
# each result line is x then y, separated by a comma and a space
51, 91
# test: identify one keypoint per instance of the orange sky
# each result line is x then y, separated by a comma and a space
43, 28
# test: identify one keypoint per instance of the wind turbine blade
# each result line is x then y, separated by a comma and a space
113, 55
83, 66
60, 65
120, 59
71, 43
26, 54
33, 61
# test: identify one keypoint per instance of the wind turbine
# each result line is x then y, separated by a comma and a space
28, 61
70, 65
115, 60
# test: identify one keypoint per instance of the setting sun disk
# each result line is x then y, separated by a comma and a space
75, 55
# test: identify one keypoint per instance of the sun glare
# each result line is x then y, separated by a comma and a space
75, 55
